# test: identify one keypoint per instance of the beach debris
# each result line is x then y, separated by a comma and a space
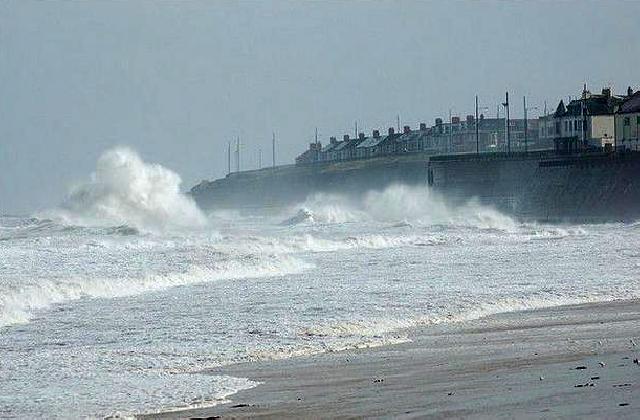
621, 385
588, 384
636, 361
633, 343
623, 404
581, 367
451, 393
542, 378
378, 380
594, 378
240, 405
602, 364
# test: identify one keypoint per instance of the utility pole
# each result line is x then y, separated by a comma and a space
524, 105
398, 118
356, 132
477, 129
238, 154
259, 157
228, 158
273, 148
507, 121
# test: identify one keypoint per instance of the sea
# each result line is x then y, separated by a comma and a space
119, 300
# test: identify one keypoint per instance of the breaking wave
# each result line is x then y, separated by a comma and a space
126, 191
397, 204
18, 305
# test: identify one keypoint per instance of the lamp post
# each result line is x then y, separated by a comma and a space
507, 130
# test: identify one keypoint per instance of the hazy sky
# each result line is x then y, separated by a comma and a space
177, 80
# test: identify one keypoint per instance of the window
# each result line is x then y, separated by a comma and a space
638, 120
627, 121
575, 125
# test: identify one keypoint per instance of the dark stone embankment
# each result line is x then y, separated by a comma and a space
285, 185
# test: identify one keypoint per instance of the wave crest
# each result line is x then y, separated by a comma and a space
125, 190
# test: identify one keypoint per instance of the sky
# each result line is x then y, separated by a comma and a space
177, 80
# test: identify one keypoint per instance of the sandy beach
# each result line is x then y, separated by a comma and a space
560, 362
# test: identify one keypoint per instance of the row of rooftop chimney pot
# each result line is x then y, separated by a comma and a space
406, 129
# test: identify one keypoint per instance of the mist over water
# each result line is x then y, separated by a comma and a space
127, 291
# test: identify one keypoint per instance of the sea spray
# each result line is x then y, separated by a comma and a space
125, 190
398, 203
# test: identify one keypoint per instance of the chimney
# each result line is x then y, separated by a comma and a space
376, 134
332, 140
470, 118
361, 136
438, 121
481, 117
406, 129
629, 91
455, 120
423, 127
391, 131
606, 92
345, 137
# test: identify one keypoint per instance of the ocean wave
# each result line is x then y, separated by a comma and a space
19, 305
310, 243
397, 204
125, 190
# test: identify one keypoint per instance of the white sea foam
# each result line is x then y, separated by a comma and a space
398, 203
125, 190
18, 305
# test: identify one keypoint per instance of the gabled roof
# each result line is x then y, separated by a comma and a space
560, 110
593, 105
410, 136
632, 104
328, 147
306, 154
346, 144
372, 141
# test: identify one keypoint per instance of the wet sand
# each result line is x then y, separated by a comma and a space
560, 362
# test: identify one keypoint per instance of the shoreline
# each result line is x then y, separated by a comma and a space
562, 361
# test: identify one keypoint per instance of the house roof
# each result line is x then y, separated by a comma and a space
329, 147
372, 141
560, 110
594, 104
632, 104
348, 143
410, 136
304, 155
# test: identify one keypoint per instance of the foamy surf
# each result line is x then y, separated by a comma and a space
125, 190
19, 305
397, 204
